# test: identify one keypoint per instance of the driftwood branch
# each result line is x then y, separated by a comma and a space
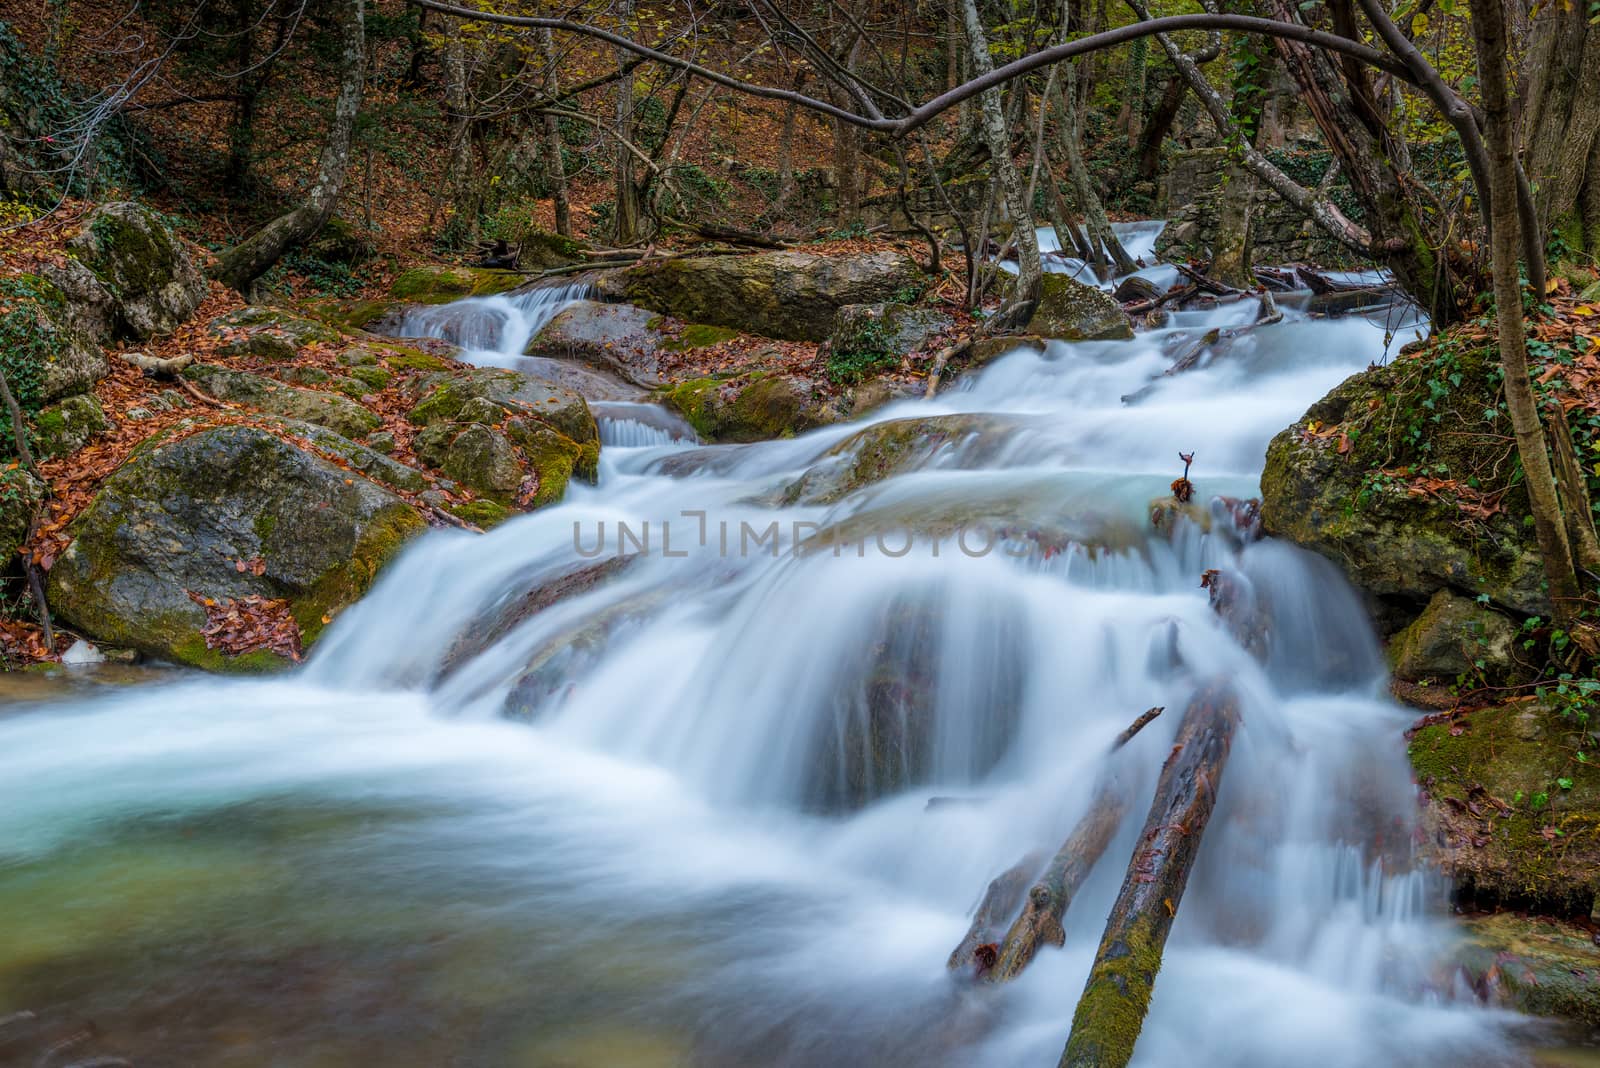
156, 365
1117, 995
1050, 893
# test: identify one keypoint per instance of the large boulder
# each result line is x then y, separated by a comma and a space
896, 446
792, 295
623, 338
1070, 310
338, 413
753, 407
223, 516
873, 337
45, 353
152, 280
514, 438
1345, 482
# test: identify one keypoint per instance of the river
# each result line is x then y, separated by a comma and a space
689, 847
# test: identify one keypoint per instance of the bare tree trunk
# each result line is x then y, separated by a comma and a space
1108, 251
1489, 34
1030, 269
627, 228
555, 161
1159, 125
241, 265
463, 226
1231, 250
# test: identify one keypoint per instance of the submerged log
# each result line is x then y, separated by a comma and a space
1051, 892
1116, 997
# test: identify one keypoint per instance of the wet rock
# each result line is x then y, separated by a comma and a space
1328, 486
793, 295
440, 285
875, 393
874, 336
338, 413
1532, 965
622, 338
1454, 636
894, 447
516, 438
152, 280
48, 355
66, 427
752, 407
1509, 815
184, 512
1070, 310
269, 333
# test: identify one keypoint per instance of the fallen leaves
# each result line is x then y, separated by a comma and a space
249, 624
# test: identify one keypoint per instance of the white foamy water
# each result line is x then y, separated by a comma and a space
493, 331
707, 838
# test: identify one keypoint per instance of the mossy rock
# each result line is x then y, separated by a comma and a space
183, 512
1533, 965
874, 337
1327, 487
20, 497
340, 241
1453, 637
792, 295
544, 251
752, 407
441, 285
444, 397
1501, 823
338, 413
894, 447
66, 427
269, 333
151, 277
45, 355
1070, 310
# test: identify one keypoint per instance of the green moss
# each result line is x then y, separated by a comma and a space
440, 285
697, 336
1110, 1015
374, 377
481, 513
441, 404
1542, 850
265, 524
403, 359
385, 535
128, 253
691, 399
194, 652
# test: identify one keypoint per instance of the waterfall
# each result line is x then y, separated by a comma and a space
731, 798
495, 330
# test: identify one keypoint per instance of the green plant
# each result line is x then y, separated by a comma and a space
871, 349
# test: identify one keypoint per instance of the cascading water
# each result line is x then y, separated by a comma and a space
493, 331
760, 788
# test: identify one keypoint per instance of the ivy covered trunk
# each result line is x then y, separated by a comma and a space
1561, 124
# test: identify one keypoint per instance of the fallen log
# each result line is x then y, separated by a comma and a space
156, 365
1051, 892
1116, 997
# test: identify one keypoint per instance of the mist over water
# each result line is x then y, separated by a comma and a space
705, 837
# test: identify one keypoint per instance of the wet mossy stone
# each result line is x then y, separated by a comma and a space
753, 407
46, 356
1533, 965
895, 446
1399, 547
269, 333
444, 397
440, 285
66, 427
792, 295
622, 338
153, 281
181, 513
1070, 310
332, 410
1512, 818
